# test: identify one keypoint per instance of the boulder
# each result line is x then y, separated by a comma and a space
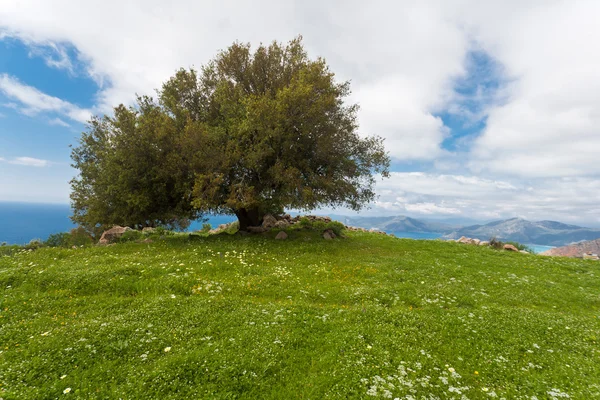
330, 232
523, 251
484, 243
269, 221
327, 235
282, 224
281, 236
475, 242
148, 229
510, 247
113, 234
464, 240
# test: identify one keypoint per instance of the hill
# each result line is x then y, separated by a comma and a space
550, 233
575, 250
224, 317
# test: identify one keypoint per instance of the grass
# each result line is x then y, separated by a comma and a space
230, 317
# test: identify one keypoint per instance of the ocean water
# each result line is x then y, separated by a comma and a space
22, 222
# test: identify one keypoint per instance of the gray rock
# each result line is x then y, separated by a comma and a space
281, 236
281, 224
269, 221
327, 236
113, 234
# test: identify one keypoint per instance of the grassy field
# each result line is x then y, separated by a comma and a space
230, 317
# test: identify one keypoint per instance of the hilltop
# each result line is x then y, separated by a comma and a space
228, 316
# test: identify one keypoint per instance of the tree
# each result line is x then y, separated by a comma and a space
271, 130
131, 171
252, 133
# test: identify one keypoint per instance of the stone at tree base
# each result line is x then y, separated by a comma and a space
282, 224
269, 221
113, 234
510, 247
329, 235
281, 236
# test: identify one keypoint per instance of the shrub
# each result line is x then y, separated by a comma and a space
34, 244
496, 244
205, 228
61, 239
306, 223
336, 226
131, 236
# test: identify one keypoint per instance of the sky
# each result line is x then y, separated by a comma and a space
489, 109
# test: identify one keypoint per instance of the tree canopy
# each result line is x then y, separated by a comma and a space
251, 133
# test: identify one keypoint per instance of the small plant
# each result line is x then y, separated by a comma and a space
336, 226
305, 223
496, 244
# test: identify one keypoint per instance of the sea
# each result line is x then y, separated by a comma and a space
22, 222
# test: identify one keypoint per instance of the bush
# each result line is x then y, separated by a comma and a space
76, 237
205, 228
336, 226
131, 236
62, 239
305, 223
499, 245
34, 244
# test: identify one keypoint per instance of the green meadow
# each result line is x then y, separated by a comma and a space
248, 317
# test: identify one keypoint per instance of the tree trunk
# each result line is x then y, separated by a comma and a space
248, 217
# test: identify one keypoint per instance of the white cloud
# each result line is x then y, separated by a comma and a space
29, 162
58, 122
542, 138
33, 101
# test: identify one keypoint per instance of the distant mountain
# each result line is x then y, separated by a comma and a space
549, 233
399, 223
576, 250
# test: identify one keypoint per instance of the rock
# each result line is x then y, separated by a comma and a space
327, 235
269, 221
464, 240
113, 234
330, 232
256, 229
475, 242
374, 230
148, 229
523, 251
282, 224
281, 236
484, 243
510, 247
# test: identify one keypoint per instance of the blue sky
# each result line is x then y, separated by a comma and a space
488, 110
